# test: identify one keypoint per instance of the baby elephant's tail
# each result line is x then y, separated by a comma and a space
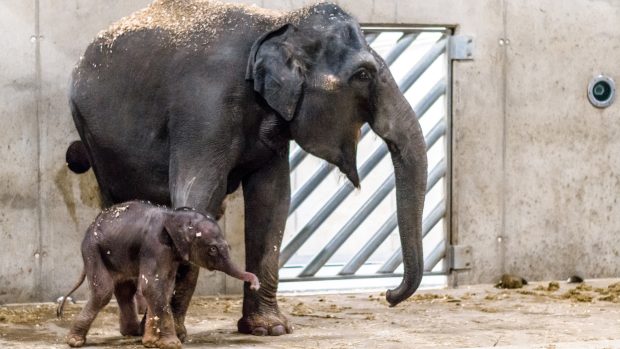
60, 308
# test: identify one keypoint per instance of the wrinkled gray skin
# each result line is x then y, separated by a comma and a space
137, 248
187, 125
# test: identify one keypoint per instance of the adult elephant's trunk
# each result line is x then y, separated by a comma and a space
396, 123
231, 269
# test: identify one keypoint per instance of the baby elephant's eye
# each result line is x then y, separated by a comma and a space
212, 250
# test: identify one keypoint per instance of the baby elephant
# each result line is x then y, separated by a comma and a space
136, 248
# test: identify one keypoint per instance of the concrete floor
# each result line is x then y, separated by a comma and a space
586, 316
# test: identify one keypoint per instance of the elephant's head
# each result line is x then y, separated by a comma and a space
199, 240
319, 74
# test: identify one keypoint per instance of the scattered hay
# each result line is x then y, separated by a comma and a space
228, 307
582, 293
583, 287
576, 295
615, 287
36, 314
430, 297
609, 294
185, 19
467, 296
301, 309
180, 17
378, 298
552, 287
609, 298
527, 292
497, 296
333, 308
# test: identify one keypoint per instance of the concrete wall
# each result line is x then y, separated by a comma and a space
535, 167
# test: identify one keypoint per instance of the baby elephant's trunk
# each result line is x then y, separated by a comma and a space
231, 269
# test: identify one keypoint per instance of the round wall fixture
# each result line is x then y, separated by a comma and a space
601, 91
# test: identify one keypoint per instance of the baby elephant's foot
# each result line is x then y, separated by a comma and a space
150, 341
170, 343
75, 340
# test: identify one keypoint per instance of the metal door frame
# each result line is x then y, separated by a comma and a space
297, 157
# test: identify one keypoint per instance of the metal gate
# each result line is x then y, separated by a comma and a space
335, 232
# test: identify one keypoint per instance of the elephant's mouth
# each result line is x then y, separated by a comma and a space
351, 172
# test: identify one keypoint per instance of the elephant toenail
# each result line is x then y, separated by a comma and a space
277, 330
259, 331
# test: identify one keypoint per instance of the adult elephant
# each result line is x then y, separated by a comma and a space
182, 102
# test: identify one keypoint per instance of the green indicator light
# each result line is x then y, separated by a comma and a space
601, 91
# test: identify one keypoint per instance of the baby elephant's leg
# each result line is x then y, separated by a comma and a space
101, 287
150, 338
186, 278
129, 323
159, 328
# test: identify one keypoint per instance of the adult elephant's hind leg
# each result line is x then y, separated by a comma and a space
267, 195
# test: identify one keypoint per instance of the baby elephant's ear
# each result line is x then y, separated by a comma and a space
177, 227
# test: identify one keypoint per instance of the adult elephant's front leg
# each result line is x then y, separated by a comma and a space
194, 182
267, 195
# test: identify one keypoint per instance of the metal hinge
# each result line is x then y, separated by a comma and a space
460, 257
461, 47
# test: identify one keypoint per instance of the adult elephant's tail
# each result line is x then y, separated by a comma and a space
77, 157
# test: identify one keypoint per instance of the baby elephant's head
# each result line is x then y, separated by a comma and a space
199, 240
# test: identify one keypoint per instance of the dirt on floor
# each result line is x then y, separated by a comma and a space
540, 315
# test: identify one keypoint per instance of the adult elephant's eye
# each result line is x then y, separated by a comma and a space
212, 250
362, 75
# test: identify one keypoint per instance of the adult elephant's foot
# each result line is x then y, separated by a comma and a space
75, 340
265, 324
134, 329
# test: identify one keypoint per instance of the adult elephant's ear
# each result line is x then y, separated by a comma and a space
277, 70
177, 228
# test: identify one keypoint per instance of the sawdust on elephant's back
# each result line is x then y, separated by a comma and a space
183, 19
